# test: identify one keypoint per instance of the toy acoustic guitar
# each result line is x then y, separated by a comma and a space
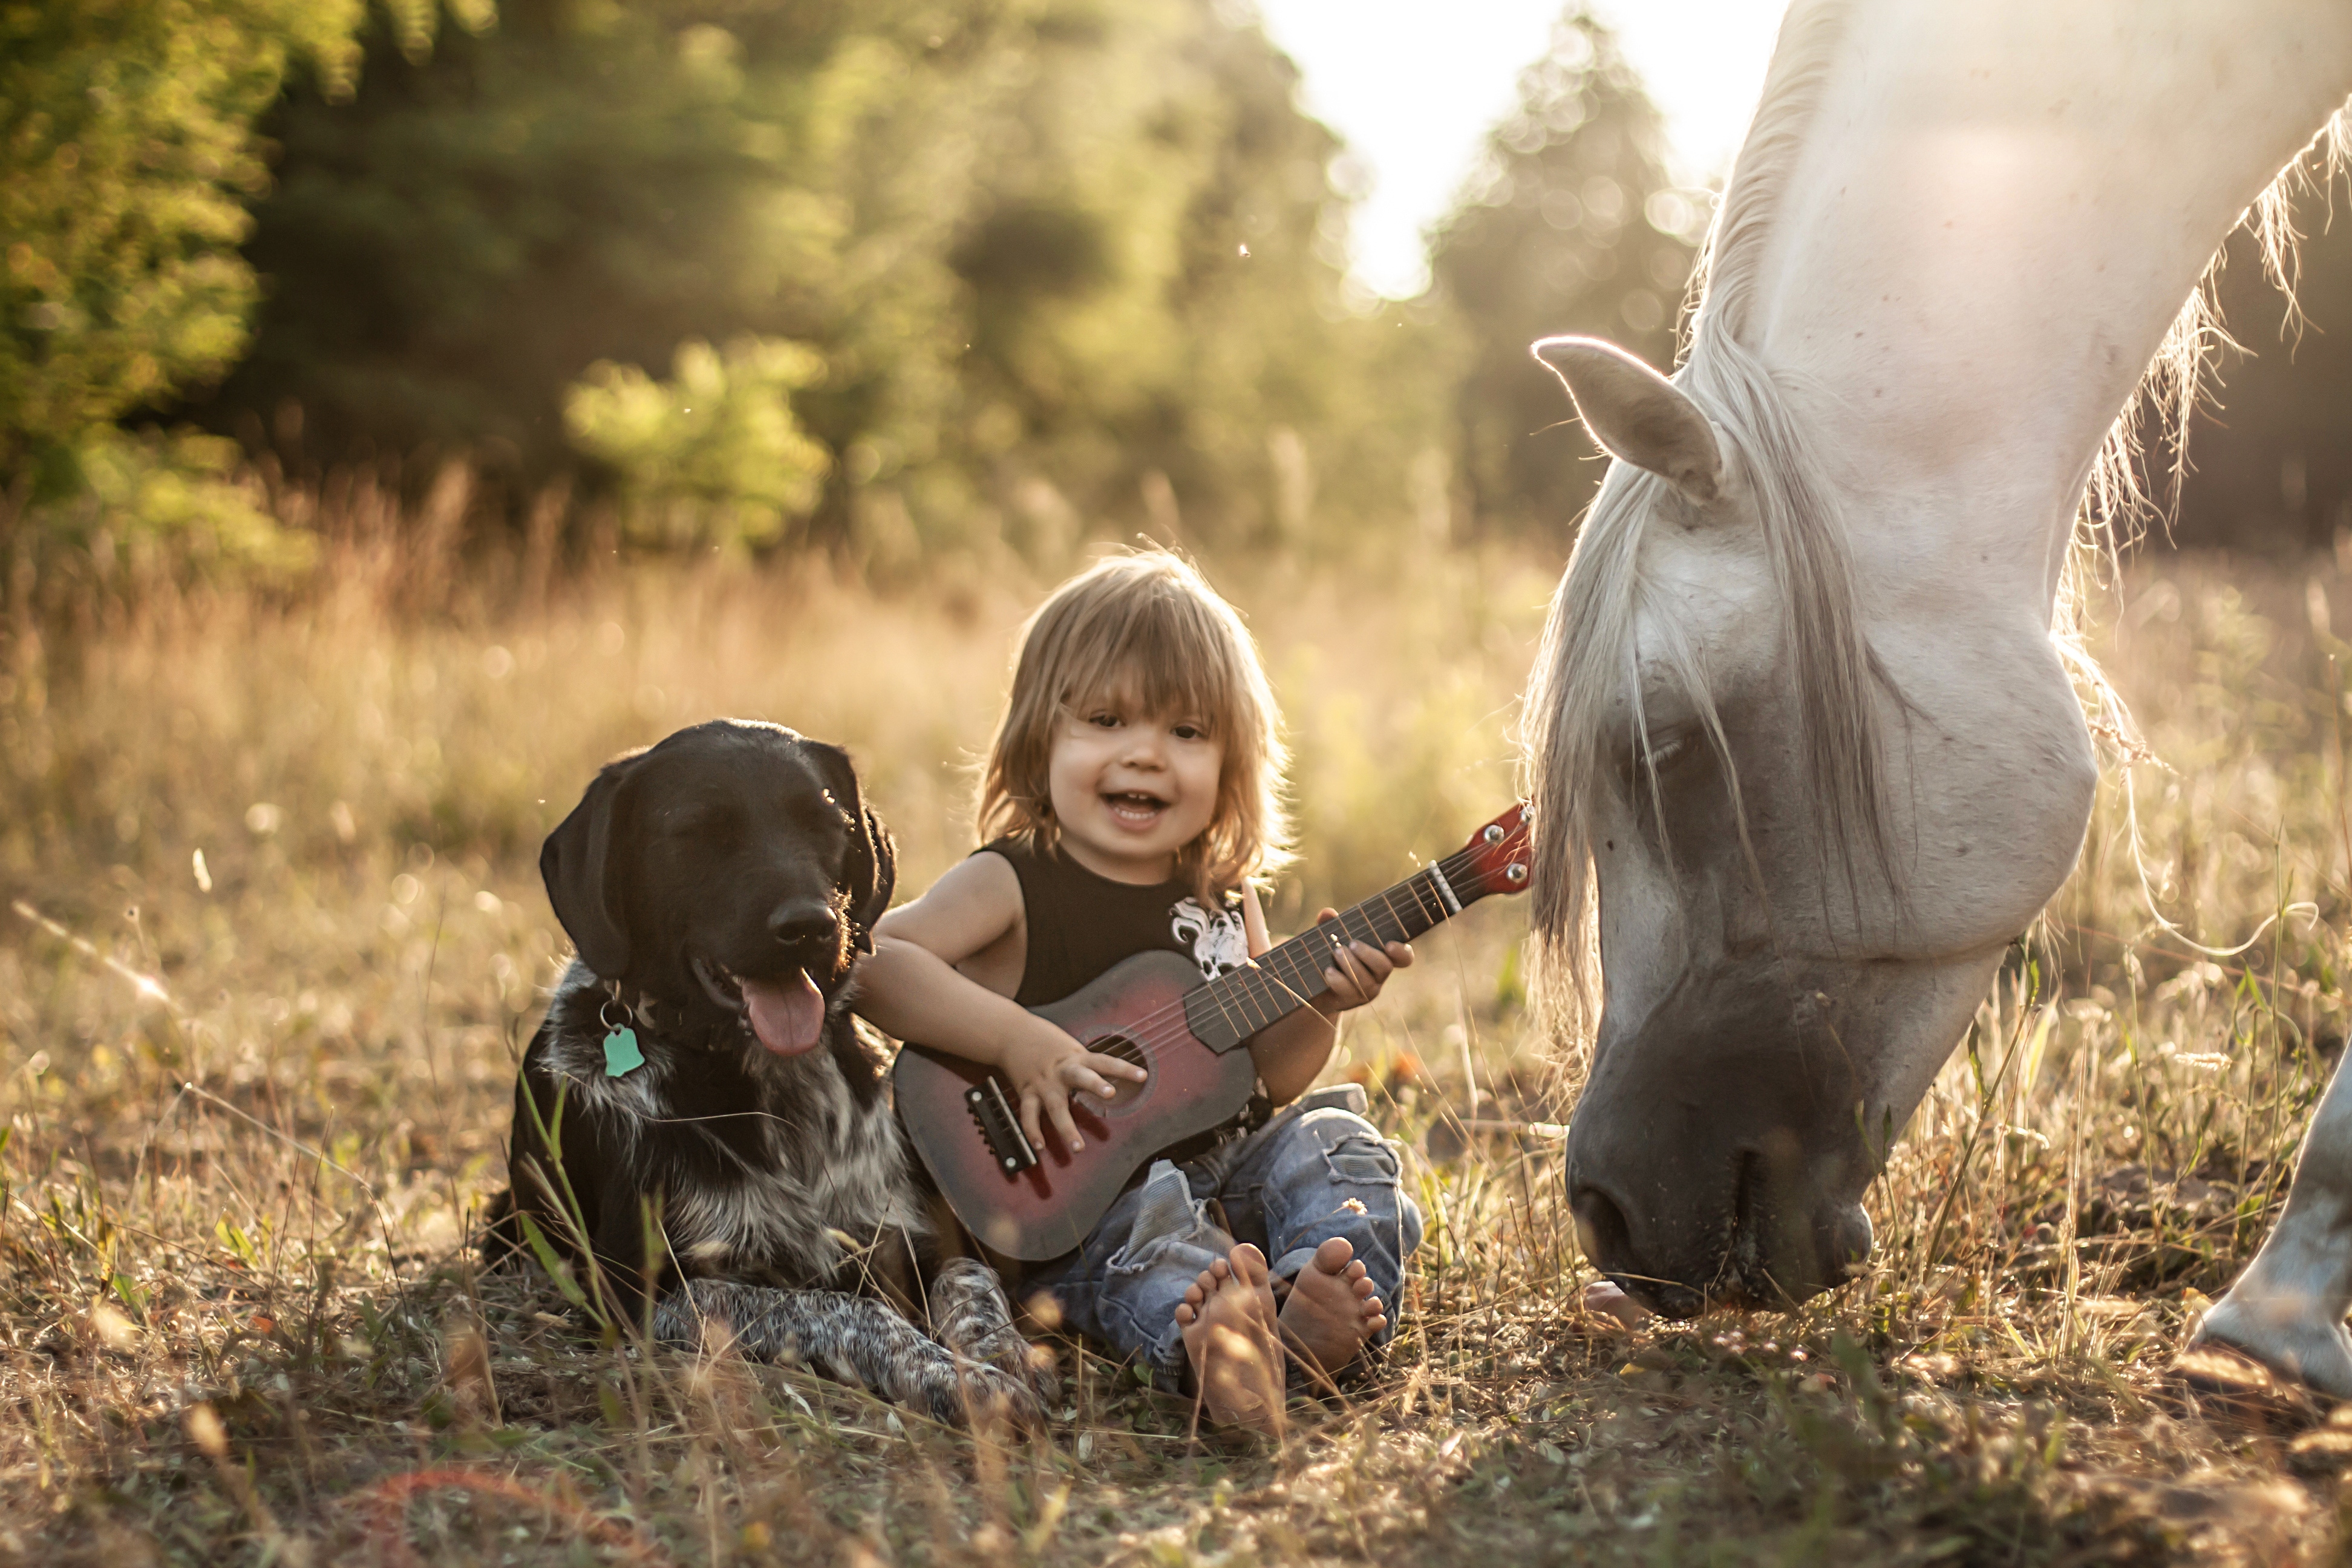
1155, 1010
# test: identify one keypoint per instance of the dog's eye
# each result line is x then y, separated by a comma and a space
707, 824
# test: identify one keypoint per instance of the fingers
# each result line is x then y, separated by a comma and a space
1080, 1078
1030, 1102
1112, 1066
1359, 970
1058, 1107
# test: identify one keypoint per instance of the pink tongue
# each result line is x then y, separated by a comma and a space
787, 1017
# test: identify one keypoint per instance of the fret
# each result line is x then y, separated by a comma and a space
1238, 1005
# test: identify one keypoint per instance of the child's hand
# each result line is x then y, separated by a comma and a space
1047, 1067
1358, 970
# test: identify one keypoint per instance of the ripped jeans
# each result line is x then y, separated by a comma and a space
1317, 1169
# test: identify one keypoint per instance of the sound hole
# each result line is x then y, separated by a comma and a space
1118, 1047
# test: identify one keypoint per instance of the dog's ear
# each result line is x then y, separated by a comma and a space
873, 871
583, 882
879, 868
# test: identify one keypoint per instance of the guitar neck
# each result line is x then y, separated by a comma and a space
1234, 1006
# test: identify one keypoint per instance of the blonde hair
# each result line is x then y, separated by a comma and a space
1144, 627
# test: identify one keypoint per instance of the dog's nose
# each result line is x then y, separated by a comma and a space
803, 921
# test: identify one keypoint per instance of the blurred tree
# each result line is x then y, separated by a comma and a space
1569, 224
126, 155
1158, 307
1069, 265
712, 455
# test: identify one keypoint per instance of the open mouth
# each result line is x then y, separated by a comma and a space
786, 1016
1134, 806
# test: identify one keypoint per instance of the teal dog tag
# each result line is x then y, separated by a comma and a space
621, 1053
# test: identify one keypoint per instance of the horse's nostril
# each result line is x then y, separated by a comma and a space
1601, 1228
1850, 1243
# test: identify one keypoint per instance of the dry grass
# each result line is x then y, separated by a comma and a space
251, 1113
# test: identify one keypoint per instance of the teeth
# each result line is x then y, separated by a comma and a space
720, 983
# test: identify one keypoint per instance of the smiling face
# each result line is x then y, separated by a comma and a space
1131, 788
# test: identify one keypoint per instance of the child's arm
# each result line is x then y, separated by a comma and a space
1290, 1053
909, 987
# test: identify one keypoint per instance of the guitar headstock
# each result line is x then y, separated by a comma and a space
1496, 859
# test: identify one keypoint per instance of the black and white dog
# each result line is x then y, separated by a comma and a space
722, 1138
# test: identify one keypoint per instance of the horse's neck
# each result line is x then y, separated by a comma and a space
1996, 212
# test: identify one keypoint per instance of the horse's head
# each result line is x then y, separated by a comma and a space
1815, 780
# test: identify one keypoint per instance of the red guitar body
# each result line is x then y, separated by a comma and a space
1047, 1209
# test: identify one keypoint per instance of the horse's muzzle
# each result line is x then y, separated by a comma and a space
1718, 1156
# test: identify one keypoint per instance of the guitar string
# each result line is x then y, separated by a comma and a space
1171, 1024
1301, 953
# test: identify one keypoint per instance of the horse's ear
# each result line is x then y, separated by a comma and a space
583, 883
1637, 415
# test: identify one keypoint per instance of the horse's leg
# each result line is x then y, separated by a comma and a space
973, 1318
2286, 1310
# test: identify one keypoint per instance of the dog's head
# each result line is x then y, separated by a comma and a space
734, 867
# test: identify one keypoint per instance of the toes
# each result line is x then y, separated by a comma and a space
1333, 1255
1187, 1313
1249, 1265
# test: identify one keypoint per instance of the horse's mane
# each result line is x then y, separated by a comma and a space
1578, 734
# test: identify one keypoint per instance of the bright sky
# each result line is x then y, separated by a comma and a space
1414, 87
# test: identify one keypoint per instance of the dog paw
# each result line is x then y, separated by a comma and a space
981, 1397
1043, 1375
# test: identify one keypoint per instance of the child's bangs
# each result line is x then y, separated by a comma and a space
1163, 658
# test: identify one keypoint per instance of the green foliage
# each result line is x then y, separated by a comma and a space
1568, 224
1070, 269
150, 495
125, 152
712, 455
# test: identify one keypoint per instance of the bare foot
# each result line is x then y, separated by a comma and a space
1332, 1311
1227, 1320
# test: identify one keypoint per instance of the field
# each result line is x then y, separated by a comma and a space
271, 938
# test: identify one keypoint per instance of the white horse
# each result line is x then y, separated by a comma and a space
1802, 738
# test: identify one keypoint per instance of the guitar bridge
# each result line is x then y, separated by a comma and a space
997, 1123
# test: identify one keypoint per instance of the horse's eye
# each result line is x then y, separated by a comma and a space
1662, 755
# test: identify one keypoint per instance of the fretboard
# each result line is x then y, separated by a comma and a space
1232, 1007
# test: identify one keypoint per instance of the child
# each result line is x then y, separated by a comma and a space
1133, 792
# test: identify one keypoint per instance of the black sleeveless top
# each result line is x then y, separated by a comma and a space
1081, 924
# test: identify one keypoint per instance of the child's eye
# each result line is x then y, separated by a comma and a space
1105, 720
1188, 732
